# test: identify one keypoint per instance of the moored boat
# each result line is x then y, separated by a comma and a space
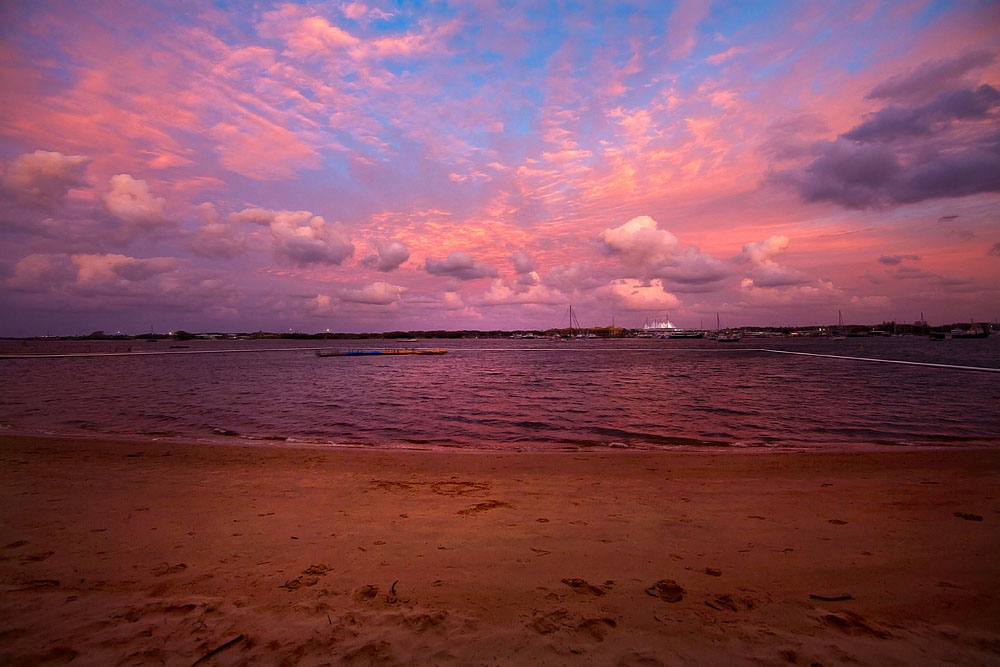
685, 333
975, 331
387, 352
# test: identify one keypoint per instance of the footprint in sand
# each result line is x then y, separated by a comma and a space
458, 488
852, 624
583, 588
479, 508
366, 592
165, 569
667, 590
727, 601
37, 558
561, 620
309, 577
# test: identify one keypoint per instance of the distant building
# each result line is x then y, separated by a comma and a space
658, 325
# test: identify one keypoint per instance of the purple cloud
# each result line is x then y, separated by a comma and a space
931, 77
894, 260
523, 262
460, 265
300, 236
906, 155
895, 122
853, 175
42, 179
388, 256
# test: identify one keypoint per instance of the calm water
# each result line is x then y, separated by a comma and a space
518, 394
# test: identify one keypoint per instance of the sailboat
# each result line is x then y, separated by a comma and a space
838, 333
729, 336
580, 331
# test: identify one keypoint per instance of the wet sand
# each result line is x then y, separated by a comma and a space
147, 552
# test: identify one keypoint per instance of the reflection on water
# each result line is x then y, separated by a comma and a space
525, 394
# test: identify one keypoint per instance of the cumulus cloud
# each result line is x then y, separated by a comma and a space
453, 301
640, 241
321, 304
630, 294
818, 292
528, 279
388, 256
216, 238
577, 276
500, 294
764, 271
459, 265
130, 199
43, 178
657, 254
692, 270
377, 293
523, 262
111, 268
40, 272
760, 252
300, 236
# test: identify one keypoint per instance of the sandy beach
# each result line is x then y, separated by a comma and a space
154, 553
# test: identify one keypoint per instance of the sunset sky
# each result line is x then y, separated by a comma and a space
478, 165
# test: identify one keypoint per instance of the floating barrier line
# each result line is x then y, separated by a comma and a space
984, 369
153, 353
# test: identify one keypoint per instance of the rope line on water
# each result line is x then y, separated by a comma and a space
982, 369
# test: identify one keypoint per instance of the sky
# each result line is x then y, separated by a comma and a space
381, 166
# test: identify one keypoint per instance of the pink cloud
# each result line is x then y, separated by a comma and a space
43, 178
216, 238
388, 256
111, 270
300, 236
379, 293
681, 35
640, 241
631, 294
262, 150
131, 200
40, 272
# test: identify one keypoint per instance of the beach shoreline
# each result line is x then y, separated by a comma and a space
128, 552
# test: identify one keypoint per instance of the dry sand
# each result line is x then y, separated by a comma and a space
149, 553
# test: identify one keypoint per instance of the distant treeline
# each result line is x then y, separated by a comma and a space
918, 328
